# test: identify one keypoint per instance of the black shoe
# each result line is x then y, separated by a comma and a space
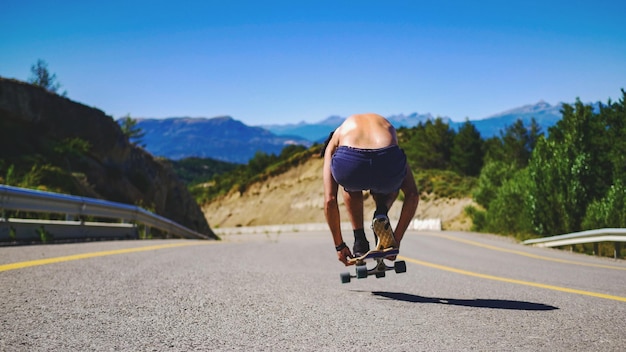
360, 247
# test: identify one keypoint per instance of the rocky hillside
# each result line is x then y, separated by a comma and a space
62, 140
297, 196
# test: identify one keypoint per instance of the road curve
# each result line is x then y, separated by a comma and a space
281, 291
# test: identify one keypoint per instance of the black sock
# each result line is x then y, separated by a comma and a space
359, 235
381, 210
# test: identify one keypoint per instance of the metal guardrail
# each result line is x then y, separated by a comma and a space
615, 235
15, 198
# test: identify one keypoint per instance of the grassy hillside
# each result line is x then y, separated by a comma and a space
295, 196
435, 183
194, 171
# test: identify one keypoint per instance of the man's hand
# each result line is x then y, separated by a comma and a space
393, 257
343, 255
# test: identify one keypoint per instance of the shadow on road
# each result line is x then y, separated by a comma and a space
478, 303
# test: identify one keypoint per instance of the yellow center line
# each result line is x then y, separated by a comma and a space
26, 264
535, 256
513, 281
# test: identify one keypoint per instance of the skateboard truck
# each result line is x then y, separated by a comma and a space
378, 270
385, 248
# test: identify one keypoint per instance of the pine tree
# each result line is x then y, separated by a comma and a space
431, 145
467, 151
131, 131
40, 76
560, 172
515, 144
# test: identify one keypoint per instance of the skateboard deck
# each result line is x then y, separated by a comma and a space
373, 254
386, 248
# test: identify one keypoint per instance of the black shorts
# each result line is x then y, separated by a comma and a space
381, 171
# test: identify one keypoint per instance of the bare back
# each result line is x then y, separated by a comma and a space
366, 131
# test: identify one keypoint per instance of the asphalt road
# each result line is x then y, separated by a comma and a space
281, 291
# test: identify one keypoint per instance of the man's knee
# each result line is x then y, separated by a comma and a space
384, 198
330, 201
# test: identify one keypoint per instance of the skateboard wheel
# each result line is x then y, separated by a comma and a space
380, 274
345, 278
361, 272
400, 266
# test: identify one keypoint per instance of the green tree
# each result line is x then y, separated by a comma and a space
40, 76
430, 147
75, 147
534, 133
194, 170
614, 119
71, 149
610, 168
132, 131
492, 176
259, 162
561, 172
290, 150
508, 211
575, 178
609, 211
467, 151
515, 144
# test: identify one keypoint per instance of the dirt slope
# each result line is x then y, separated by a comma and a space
297, 197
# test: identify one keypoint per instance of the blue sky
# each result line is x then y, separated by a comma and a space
265, 62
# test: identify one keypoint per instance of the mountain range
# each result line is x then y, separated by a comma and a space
221, 138
317, 132
545, 114
226, 139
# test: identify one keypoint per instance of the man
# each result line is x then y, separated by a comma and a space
363, 154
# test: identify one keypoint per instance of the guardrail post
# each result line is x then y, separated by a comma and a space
596, 248
618, 247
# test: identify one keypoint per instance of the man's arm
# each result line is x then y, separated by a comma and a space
331, 205
409, 206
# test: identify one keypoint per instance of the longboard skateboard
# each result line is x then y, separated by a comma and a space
386, 248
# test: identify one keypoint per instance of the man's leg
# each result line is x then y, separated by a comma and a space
354, 205
384, 202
